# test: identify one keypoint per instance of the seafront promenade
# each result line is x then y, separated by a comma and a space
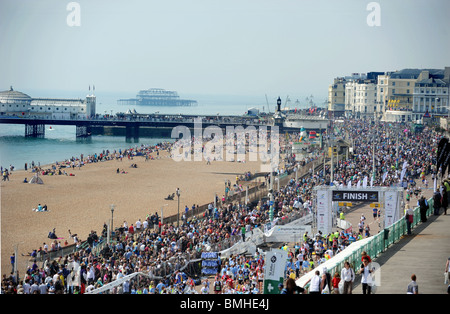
423, 253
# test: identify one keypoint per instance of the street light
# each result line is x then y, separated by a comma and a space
178, 217
112, 218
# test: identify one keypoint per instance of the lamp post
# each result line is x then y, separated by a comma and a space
178, 217
112, 218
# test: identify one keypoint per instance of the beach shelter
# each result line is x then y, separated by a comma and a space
36, 180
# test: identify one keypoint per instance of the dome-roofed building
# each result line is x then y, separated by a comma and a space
12, 96
15, 103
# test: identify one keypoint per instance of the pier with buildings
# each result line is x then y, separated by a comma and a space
35, 113
157, 97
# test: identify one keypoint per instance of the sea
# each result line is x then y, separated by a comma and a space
60, 142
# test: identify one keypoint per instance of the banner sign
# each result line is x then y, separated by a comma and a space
290, 233
358, 196
391, 212
274, 270
324, 219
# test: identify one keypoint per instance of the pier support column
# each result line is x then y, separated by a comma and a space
83, 130
35, 130
132, 132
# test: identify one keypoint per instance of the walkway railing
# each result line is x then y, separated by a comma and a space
380, 242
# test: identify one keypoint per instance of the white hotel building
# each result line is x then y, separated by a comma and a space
430, 95
15, 103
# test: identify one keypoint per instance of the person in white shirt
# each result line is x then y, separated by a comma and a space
90, 274
43, 288
366, 277
314, 285
138, 225
26, 287
34, 287
347, 276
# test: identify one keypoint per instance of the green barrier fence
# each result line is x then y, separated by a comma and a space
381, 241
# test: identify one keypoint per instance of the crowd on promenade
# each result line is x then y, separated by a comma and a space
161, 250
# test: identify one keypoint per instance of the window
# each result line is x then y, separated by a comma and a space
393, 83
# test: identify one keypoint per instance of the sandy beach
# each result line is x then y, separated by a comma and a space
82, 202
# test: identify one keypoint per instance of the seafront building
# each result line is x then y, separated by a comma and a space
15, 103
406, 95
360, 97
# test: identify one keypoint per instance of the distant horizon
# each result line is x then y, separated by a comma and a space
214, 47
53, 93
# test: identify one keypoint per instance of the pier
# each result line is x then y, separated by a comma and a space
130, 126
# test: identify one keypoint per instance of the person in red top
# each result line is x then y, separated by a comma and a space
363, 254
230, 282
335, 282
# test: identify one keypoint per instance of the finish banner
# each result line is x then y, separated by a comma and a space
358, 196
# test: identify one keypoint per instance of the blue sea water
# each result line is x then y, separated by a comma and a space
60, 142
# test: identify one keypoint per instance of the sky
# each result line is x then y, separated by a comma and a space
224, 47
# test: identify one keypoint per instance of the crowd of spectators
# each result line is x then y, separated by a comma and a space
163, 251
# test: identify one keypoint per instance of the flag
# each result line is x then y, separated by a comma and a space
358, 185
349, 183
385, 175
404, 165
403, 174
440, 157
365, 182
447, 159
